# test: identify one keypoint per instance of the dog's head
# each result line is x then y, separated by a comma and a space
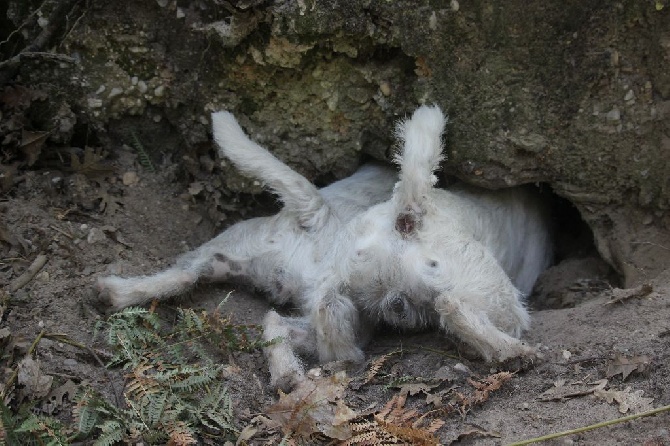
404, 309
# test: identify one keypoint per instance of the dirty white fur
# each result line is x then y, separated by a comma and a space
370, 248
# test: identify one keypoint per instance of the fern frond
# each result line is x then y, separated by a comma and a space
142, 155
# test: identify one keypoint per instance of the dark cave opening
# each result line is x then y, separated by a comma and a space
578, 271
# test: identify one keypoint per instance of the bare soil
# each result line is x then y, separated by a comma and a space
585, 337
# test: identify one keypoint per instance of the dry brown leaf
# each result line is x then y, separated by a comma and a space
31, 144
57, 397
376, 365
18, 96
15, 241
474, 431
415, 388
621, 295
489, 384
36, 384
561, 392
627, 400
108, 204
91, 165
7, 176
315, 406
180, 435
394, 424
623, 366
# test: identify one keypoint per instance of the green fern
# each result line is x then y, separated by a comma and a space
142, 156
174, 388
43, 430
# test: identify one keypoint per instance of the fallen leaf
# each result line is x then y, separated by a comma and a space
474, 431
415, 388
561, 392
627, 400
91, 164
623, 366
621, 295
36, 384
57, 397
489, 384
15, 241
31, 144
108, 204
18, 96
315, 406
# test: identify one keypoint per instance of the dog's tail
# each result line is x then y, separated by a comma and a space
420, 137
295, 191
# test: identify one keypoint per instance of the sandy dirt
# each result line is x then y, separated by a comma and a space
585, 337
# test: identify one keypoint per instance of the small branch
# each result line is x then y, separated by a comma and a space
592, 426
28, 274
43, 40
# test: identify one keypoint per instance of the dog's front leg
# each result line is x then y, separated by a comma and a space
474, 327
337, 325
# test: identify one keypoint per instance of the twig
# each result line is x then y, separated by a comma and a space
8, 67
439, 352
57, 229
592, 426
28, 274
651, 244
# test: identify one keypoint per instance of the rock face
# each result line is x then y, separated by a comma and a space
574, 94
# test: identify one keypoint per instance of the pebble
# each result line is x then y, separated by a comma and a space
96, 235
385, 88
629, 96
159, 91
130, 178
614, 115
462, 368
116, 91
94, 102
70, 362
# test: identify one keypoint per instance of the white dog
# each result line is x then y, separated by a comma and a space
371, 248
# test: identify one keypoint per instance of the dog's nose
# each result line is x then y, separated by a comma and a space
398, 305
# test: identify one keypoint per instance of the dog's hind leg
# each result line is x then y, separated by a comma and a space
228, 257
199, 265
300, 197
286, 337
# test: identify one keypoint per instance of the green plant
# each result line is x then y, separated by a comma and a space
25, 428
142, 155
175, 392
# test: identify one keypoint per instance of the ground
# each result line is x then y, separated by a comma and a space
588, 331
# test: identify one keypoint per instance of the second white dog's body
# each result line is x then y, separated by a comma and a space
370, 248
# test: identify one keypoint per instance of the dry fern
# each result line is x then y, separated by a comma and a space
376, 365
395, 424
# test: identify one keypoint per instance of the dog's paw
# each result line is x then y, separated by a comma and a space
107, 294
287, 381
525, 357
